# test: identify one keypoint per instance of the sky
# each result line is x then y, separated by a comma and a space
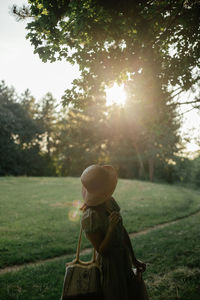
22, 69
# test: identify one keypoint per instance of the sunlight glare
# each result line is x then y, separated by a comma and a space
115, 95
74, 213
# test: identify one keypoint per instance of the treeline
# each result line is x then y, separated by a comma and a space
38, 139
22, 134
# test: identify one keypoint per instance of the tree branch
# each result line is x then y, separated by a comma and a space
187, 111
189, 102
172, 21
21, 13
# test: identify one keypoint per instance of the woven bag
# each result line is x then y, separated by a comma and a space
82, 279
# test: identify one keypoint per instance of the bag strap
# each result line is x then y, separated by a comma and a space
79, 247
79, 244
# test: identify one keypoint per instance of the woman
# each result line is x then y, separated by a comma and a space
102, 223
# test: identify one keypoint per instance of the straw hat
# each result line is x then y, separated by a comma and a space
98, 184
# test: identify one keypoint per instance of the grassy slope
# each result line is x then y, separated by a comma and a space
35, 213
171, 254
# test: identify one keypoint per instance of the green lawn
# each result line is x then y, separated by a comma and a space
171, 254
39, 219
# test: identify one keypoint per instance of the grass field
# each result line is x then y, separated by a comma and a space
40, 219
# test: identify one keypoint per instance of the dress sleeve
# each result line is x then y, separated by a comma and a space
91, 221
115, 205
112, 205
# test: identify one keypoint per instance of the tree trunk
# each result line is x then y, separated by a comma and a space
151, 168
141, 172
48, 144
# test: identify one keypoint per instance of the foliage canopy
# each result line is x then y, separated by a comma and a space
150, 46
115, 40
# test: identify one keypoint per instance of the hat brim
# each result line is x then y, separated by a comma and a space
97, 198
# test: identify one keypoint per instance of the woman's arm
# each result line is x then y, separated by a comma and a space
127, 241
102, 243
137, 263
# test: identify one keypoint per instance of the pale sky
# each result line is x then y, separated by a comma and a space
22, 69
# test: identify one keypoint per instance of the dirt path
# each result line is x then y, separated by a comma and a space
15, 268
158, 226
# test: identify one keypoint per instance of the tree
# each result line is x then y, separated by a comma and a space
149, 134
148, 45
80, 139
47, 115
111, 41
20, 135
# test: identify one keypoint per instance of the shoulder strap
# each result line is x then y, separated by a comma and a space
79, 247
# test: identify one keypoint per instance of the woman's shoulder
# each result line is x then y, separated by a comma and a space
112, 205
91, 220
88, 213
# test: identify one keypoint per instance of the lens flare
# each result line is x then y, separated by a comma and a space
76, 203
74, 213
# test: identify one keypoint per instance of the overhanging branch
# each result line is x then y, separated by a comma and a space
189, 102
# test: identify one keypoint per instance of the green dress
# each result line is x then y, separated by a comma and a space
118, 280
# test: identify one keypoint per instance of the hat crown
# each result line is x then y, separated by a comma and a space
94, 178
98, 184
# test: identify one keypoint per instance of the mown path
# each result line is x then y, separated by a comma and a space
15, 268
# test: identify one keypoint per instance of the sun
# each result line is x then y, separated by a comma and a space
115, 95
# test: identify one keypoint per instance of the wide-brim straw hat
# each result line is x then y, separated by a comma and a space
98, 184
